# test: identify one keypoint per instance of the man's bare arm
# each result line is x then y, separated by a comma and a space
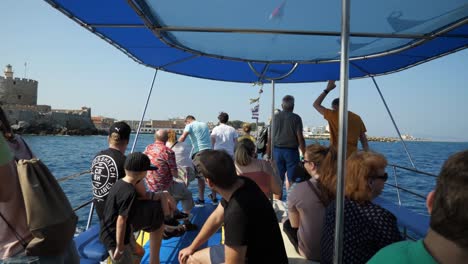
184, 136
318, 102
364, 142
300, 139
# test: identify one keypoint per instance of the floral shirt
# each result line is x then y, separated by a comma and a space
163, 158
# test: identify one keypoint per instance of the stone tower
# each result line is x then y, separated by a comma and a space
18, 91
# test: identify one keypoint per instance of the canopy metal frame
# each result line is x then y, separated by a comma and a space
158, 30
144, 112
92, 28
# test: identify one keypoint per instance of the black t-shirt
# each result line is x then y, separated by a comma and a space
106, 169
119, 201
285, 128
249, 220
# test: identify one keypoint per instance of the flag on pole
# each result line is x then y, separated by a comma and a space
255, 111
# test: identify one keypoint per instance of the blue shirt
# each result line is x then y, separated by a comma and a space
199, 135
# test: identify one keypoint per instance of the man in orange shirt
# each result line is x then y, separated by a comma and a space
356, 128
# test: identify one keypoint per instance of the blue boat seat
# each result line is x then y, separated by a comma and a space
416, 223
89, 247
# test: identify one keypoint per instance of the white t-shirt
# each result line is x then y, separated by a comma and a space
182, 152
225, 138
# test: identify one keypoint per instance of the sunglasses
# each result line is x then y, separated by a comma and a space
383, 177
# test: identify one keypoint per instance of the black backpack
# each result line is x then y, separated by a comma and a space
262, 140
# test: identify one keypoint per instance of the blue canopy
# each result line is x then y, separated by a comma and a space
224, 40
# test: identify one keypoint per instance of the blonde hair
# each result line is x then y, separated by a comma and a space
116, 140
246, 127
361, 166
172, 137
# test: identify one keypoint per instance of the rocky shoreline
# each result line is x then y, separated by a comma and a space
43, 130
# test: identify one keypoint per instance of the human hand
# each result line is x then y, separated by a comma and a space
184, 254
118, 252
331, 85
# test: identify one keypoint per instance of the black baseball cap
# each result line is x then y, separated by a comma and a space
122, 129
138, 161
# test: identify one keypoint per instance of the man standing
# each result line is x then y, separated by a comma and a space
356, 128
108, 165
447, 238
200, 137
224, 137
163, 179
251, 231
287, 138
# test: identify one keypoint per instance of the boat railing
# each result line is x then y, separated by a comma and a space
410, 221
85, 204
414, 225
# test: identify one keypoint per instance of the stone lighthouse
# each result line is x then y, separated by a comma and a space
8, 71
17, 91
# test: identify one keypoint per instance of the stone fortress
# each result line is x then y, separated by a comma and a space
18, 98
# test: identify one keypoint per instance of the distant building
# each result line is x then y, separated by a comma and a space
18, 98
103, 123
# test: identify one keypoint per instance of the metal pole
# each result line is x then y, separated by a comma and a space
393, 121
90, 216
144, 112
342, 133
396, 184
272, 118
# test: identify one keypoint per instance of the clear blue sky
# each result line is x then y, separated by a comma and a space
76, 68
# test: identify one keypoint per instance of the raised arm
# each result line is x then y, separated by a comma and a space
364, 142
318, 102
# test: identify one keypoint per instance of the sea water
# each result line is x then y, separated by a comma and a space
67, 155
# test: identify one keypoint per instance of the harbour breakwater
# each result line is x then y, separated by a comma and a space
369, 138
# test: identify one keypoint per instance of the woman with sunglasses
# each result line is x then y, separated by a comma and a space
368, 227
308, 200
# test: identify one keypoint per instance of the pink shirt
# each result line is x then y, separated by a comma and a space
261, 172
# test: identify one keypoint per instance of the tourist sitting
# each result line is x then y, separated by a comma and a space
260, 171
246, 127
251, 231
163, 179
367, 226
124, 212
309, 199
447, 238
182, 150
